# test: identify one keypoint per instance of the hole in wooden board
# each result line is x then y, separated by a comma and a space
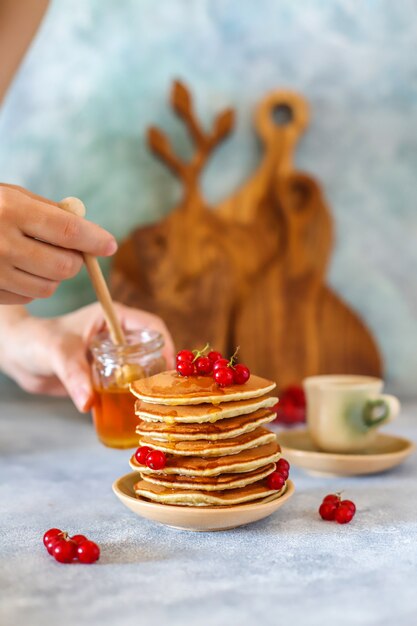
282, 114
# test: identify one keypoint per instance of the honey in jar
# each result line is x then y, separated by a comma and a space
114, 367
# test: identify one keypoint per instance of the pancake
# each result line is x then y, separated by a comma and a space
201, 413
244, 461
223, 429
204, 448
173, 389
213, 483
188, 497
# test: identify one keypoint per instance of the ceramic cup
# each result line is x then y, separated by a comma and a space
345, 411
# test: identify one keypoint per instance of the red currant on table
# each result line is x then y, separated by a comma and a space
141, 454
186, 368
220, 363
328, 510
333, 508
283, 467
184, 356
156, 460
51, 544
344, 514
332, 497
214, 356
52, 532
223, 376
204, 365
241, 374
349, 504
88, 552
64, 551
78, 539
275, 481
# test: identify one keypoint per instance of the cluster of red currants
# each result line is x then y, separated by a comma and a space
291, 408
333, 508
224, 372
66, 549
154, 459
277, 479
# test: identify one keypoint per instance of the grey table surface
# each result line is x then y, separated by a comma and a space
289, 568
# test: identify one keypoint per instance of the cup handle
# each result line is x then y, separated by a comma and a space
380, 410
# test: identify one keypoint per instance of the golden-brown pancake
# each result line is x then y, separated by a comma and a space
244, 461
223, 429
189, 497
171, 388
201, 413
204, 448
210, 483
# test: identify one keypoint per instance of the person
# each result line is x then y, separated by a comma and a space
40, 246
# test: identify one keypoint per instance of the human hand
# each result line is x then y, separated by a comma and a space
49, 356
41, 245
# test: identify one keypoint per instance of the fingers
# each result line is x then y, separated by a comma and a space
50, 262
41, 220
50, 386
31, 286
169, 348
7, 297
134, 319
28, 193
69, 362
66, 230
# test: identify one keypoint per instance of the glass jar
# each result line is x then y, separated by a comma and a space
114, 367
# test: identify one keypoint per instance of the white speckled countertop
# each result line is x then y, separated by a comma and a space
291, 568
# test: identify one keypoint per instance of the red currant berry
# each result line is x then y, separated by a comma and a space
332, 497
214, 356
241, 374
141, 454
156, 460
184, 355
275, 481
344, 514
186, 368
204, 365
78, 539
51, 544
223, 376
349, 504
88, 552
220, 363
283, 467
291, 408
328, 511
64, 551
52, 532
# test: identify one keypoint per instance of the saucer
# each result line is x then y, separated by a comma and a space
197, 518
386, 452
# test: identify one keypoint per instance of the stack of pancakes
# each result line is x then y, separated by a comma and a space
217, 449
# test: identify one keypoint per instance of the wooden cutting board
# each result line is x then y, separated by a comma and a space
251, 271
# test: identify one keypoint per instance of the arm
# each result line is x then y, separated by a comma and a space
19, 21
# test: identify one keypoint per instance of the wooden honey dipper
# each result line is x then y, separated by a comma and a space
127, 372
75, 206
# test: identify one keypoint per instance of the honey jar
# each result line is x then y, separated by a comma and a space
114, 367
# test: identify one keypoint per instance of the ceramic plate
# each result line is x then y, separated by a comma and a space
386, 452
197, 518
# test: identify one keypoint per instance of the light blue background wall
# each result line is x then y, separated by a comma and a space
99, 73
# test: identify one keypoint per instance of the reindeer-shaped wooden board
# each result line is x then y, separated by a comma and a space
250, 271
